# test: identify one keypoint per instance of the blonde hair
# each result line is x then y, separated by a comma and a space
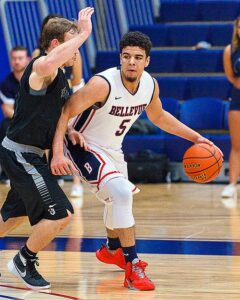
235, 36
56, 28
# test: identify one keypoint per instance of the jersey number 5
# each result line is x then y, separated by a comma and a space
122, 127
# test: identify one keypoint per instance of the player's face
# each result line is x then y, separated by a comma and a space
19, 60
68, 36
133, 61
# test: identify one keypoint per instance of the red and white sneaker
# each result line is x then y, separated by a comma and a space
135, 277
107, 257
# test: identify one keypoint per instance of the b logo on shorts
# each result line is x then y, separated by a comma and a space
88, 167
51, 209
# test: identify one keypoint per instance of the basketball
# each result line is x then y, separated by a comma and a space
202, 162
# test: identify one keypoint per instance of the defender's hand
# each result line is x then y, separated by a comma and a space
61, 165
84, 20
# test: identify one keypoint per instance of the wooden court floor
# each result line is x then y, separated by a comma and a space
187, 234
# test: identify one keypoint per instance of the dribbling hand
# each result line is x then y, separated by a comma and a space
202, 139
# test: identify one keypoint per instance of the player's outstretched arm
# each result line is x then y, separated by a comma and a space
47, 65
164, 120
95, 91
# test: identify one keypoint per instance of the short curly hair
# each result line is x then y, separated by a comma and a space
138, 39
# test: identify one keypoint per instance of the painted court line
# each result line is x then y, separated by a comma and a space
187, 247
25, 289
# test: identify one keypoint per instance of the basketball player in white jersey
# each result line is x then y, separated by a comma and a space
106, 107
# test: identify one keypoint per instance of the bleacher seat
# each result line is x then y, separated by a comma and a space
200, 61
161, 61
185, 35
202, 113
175, 147
136, 143
178, 11
220, 10
173, 86
171, 105
165, 61
187, 87
106, 59
199, 114
220, 34
155, 142
198, 10
209, 86
223, 142
187, 61
158, 33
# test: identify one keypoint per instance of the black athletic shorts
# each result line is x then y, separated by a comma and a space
34, 190
235, 99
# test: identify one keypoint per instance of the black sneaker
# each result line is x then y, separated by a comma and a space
25, 270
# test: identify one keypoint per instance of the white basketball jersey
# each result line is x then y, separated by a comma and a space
107, 126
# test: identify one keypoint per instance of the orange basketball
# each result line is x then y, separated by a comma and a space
202, 162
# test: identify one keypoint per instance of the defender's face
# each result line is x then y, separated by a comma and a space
133, 61
68, 36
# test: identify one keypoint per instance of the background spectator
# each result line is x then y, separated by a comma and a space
231, 60
19, 59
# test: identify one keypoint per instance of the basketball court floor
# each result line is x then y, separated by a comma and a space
187, 234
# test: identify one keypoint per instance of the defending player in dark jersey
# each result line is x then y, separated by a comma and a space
34, 191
